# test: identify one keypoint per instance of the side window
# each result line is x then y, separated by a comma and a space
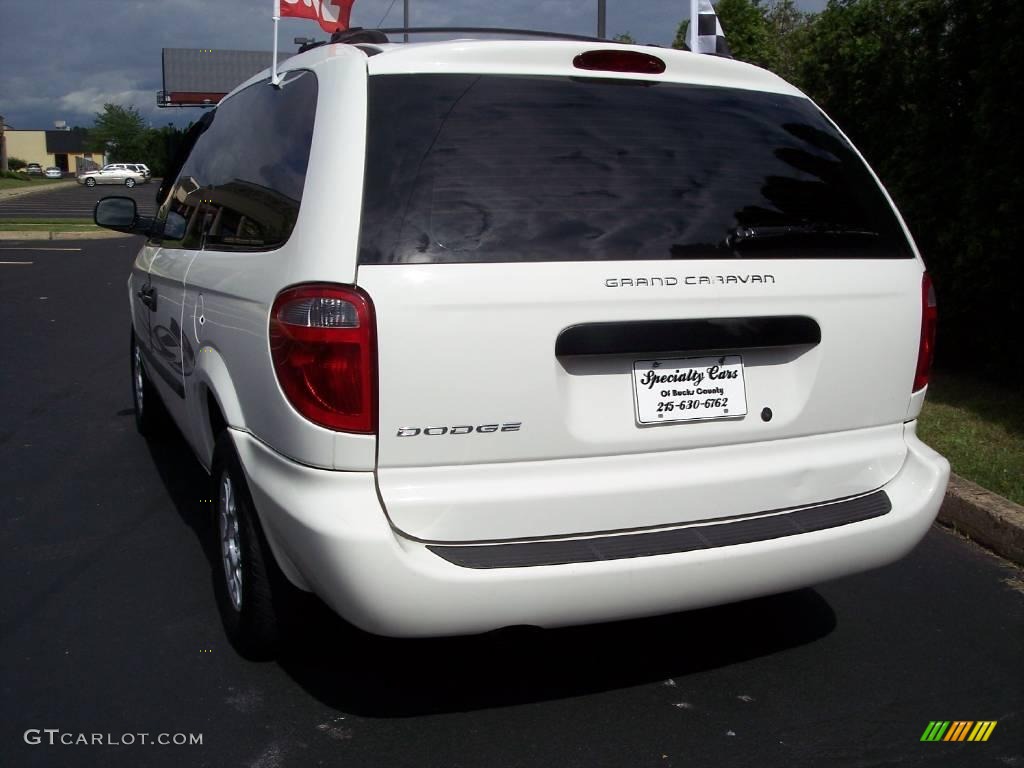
241, 185
172, 198
179, 214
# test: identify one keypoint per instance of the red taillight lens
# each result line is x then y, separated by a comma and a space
619, 61
929, 320
323, 344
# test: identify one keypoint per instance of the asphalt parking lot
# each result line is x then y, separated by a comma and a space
108, 622
75, 202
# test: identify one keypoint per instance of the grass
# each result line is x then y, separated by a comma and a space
26, 183
979, 427
47, 225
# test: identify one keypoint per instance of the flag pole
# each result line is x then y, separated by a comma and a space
694, 16
274, 79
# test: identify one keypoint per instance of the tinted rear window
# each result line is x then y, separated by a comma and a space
470, 168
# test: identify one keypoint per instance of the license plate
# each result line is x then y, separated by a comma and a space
689, 389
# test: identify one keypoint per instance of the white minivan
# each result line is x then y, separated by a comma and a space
474, 334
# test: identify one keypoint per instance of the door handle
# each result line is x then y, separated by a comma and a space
147, 295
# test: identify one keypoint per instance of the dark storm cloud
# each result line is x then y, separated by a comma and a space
63, 60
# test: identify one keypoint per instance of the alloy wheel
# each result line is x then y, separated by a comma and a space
137, 379
230, 540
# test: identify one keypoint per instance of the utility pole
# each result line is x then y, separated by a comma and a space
601, 18
405, 24
3, 146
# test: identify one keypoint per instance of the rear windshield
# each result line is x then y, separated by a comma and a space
471, 168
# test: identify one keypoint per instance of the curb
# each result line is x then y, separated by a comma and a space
46, 235
7, 194
987, 518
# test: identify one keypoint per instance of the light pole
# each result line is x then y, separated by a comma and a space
405, 23
601, 18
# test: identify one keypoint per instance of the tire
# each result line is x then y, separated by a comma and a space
251, 590
150, 416
129, 183
90, 182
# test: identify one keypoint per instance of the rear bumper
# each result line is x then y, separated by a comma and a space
331, 535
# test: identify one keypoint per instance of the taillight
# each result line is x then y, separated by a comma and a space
323, 344
929, 319
619, 61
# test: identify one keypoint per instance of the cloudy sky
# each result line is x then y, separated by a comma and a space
63, 59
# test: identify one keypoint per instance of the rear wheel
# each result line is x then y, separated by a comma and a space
90, 182
251, 590
129, 183
150, 417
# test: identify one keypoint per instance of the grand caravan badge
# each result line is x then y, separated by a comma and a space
653, 281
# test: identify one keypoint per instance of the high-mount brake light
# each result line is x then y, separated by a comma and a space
323, 344
619, 61
929, 321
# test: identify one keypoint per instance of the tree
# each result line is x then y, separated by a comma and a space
924, 88
788, 30
746, 30
681, 41
161, 145
625, 37
119, 132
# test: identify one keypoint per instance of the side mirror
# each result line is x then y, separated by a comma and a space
120, 214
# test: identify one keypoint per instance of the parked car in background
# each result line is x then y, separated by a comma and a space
115, 173
141, 168
34, 168
138, 168
53, 172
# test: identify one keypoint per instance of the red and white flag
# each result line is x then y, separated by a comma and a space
333, 15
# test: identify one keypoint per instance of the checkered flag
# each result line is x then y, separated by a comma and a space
709, 36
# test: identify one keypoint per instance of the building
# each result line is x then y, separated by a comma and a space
66, 150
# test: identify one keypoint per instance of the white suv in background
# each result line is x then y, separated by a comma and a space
486, 333
113, 173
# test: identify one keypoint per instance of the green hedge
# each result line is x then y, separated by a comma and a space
929, 91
